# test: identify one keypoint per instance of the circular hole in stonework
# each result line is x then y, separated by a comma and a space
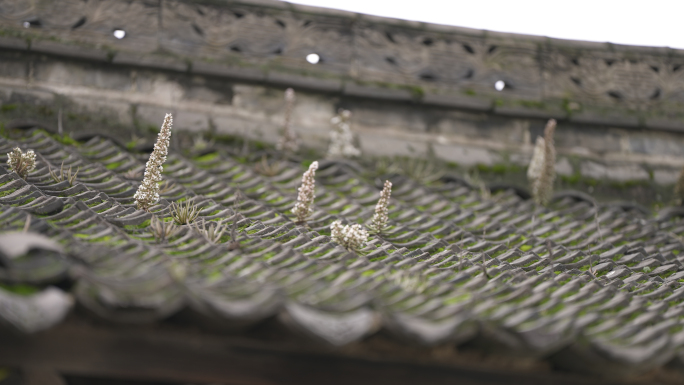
656, 94
35, 23
427, 76
499, 85
79, 23
197, 29
313, 58
119, 33
390, 37
615, 95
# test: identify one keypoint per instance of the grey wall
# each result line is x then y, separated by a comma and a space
223, 65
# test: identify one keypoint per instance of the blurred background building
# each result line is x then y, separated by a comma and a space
466, 99
473, 98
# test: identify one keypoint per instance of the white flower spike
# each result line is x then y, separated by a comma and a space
148, 192
341, 137
351, 237
380, 218
20, 162
305, 199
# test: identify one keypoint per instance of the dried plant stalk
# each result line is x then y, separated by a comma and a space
200, 144
161, 230
268, 169
234, 244
542, 187
537, 163
288, 142
410, 282
166, 187
27, 223
62, 176
679, 188
341, 137
132, 174
212, 233
184, 213
425, 171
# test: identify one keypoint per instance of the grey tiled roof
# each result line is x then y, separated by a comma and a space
598, 287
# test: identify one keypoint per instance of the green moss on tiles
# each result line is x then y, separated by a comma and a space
7, 108
20, 289
532, 104
499, 168
143, 225
64, 139
206, 157
457, 299
112, 166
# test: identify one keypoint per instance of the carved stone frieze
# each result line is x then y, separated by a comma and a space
276, 37
640, 84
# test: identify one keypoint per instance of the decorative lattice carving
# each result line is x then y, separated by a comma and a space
441, 60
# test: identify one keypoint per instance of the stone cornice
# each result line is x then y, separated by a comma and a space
363, 56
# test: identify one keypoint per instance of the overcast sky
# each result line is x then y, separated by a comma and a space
654, 22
